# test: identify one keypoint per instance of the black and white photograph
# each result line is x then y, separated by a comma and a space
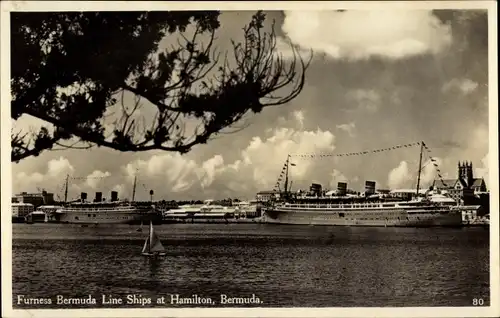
270, 159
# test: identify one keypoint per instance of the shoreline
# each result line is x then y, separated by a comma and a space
215, 221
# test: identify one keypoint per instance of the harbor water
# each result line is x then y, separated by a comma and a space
287, 265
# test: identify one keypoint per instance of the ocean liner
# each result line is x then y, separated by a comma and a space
100, 210
422, 209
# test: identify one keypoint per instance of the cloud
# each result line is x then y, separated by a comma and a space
365, 99
404, 177
484, 170
54, 176
59, 167
360, 34
31, 180
256, 167
480, 138
54, 180
337, 176
429, 172
348, 128
399, 177
287, 50
95, 178
210, 168
465, 86
266, 156
176, 172
299, 116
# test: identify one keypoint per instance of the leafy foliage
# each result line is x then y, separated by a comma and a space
69, 68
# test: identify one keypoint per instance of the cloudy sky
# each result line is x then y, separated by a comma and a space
377, 79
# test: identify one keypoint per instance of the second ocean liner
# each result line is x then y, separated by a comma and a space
100, 211
424, 208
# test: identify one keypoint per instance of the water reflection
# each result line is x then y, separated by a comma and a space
154, 264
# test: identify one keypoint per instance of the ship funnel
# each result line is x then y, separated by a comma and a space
83, 196
98, 197
369, 188
341, 188
114, 196
315, 189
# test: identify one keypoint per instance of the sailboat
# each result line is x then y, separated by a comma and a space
152, 245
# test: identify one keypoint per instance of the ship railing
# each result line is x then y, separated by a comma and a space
340, 206
466, 208
99, 209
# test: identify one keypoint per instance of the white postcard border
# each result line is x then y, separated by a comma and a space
6, 184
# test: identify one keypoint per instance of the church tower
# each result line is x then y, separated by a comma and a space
469, 176
461, 171
465, 173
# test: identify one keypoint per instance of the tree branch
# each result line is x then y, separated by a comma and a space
54, 52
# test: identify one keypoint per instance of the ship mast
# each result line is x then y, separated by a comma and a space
133, 188
66, 189
286, 174
420, 166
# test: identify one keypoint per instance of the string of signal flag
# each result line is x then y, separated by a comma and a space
435, 164
348, 154
359, 153
71, 178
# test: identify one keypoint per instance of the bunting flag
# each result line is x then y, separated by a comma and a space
348, 154
85, 178
312, 155
435, 164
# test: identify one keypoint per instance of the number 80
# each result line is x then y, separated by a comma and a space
477, 302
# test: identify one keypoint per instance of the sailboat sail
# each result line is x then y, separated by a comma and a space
153, 243
156, 245
145, 248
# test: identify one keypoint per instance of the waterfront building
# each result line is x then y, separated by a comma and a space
21, 209
36, 199
248, 209
406, 194
50, 211
266, 196
465, 187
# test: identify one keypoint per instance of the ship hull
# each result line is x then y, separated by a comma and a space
125, 216
375, 218
154, 254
